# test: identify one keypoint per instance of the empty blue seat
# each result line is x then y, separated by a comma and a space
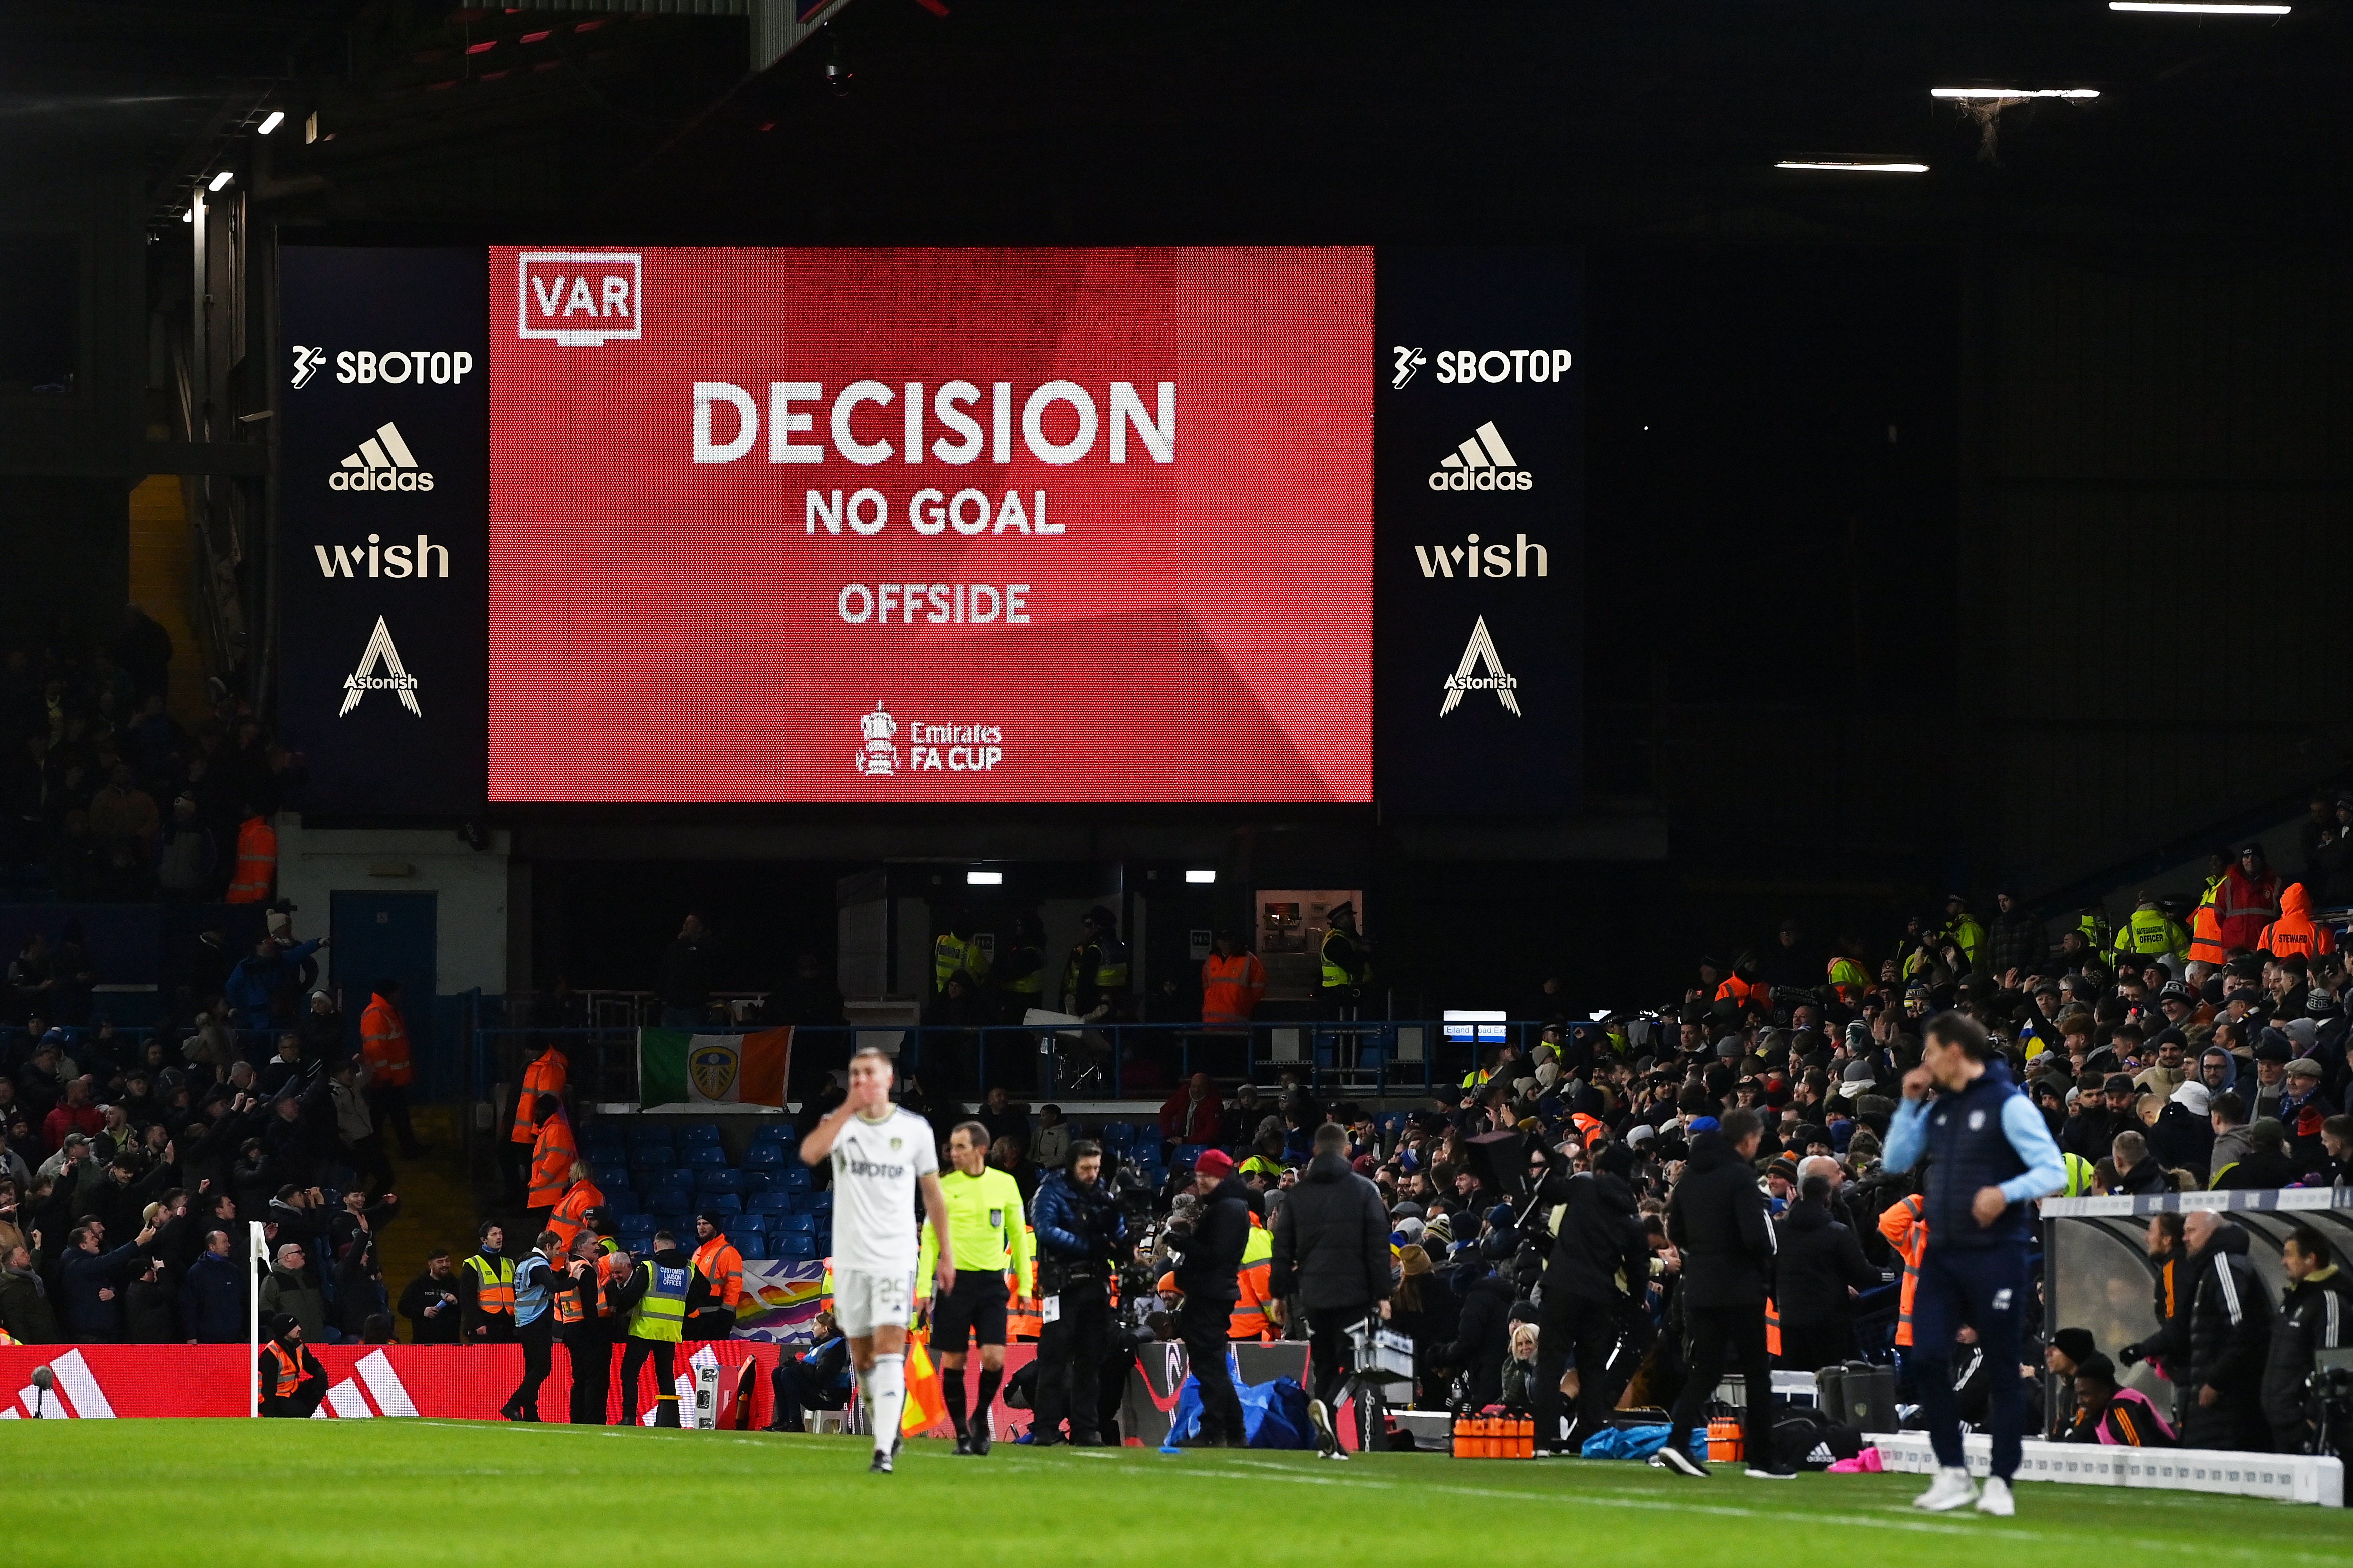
634, 1224
702, 1157
722, 1181
648, 1133
793, 1248
619, 1199
651, 1157
669, 1200
797, 1177
1189, 1152
772, 1132
770, 1156
764, 1180
609, 1176
772, 1202
723, 1203
804, 1223
821, 1203
699, 1132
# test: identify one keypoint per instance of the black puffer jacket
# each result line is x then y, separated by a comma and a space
1213, 1254
1600, 1241
2230, 1319
1717, 1216
1482, 1338
1332, 1239
1819, 1258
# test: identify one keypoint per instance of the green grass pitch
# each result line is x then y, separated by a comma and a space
130, 1493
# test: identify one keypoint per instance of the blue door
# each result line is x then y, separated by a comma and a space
381, 935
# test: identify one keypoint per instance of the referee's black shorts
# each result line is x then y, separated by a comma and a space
976, 1306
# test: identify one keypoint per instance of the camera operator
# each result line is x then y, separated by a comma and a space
1079, 1222
1600, 1253
1206, 1272
2316, 1313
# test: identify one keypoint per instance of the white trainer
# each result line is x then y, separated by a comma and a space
1996, 1498
1952, 1490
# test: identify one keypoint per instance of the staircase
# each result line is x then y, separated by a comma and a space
436, 1202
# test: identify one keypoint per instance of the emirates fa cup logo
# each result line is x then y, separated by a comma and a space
879, 758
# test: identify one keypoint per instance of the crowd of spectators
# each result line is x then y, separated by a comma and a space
106, 797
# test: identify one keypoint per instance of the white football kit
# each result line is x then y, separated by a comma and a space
875, 1167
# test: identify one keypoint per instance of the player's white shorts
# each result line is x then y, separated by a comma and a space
864, 1301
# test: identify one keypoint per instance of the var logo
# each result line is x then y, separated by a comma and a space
579, 297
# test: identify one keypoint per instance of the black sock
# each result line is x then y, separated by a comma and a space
952, 1396
988, 1382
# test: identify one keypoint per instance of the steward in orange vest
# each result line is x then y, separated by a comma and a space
552, 1153
545, 1074
571, 1215
292, 1380
383, 1038
2294, 931
717, 1290
1232, 980
257, 861
1907, 1233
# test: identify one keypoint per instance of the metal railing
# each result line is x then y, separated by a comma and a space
1094, 1062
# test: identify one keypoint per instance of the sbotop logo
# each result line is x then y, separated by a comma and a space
308, 362
382, 462
1479, 654
580, 299
1480, 367
380, 669
953, 748
1482, 463
383, 367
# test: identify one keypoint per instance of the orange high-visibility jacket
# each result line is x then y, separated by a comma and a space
1907, 1233
2294, 932
722, 1267
571, 1215
552, 1153
1231, 988
383, 1043
545, 1075
257, 862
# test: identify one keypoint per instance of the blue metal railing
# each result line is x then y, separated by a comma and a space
1105, 1061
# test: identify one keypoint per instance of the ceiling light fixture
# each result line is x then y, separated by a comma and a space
1200, 876
984, 879
220, 181
2201, 8
188, 217
1845, 166
277, 117
2007, 92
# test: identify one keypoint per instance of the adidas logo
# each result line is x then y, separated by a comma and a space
383, 462
1482, 463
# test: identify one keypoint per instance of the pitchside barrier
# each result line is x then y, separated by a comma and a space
465, 1382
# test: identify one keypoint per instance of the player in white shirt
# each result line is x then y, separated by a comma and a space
881, 1156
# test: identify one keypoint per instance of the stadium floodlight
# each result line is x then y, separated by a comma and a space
2201, 8
277, 117
984, 879
189, 216
220, 181
1199, 876
1846, 167
2009, 92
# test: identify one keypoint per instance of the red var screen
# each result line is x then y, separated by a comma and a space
930, 525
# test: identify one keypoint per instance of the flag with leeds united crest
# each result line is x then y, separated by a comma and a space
679, 1067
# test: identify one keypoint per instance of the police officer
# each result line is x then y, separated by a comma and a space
1097, 979
955, 952
654, 1297
1078, 1228
1207, 1273
1344, 963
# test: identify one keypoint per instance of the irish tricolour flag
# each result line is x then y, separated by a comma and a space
680, 1067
